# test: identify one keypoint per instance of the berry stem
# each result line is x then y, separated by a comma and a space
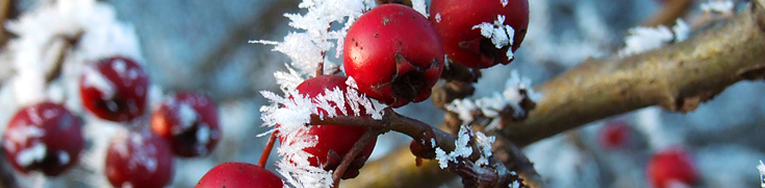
480, 176
267, 151
351, 155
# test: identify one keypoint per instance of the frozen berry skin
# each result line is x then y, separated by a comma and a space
189, 122
139, 159
614, 135
455, 21
669, 166
114, 89
236, 174
44, 137
333, 141
394, 54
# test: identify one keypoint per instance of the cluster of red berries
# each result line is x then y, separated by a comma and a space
395, 55
47, 137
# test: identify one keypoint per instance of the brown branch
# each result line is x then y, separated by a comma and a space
6, 7
351, 155
473, 175
677, 77
668, 13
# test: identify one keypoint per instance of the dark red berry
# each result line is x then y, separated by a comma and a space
455, 21
671, 165
614, 135
114, 89
236, 174
139, 159
45, 137
189, 121
333, 141
394, 54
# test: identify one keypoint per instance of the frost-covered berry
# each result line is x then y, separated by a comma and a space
333, 141
480, 33
614, 135
139, 159
394, 54
44, 137
236, 174
189, 121
670, 167
114, 89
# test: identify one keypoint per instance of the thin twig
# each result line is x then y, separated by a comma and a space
351, 155
267, 150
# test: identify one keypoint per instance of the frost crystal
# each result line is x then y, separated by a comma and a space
308, 47
719, 6
642, 39
761, 168
503, 2
293, 111
438, 17
501, 35
681, 30
463, 150
419, 6
490, 107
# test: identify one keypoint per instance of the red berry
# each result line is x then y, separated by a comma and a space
394, 54
114, 89
139, 159
189, 121
44, 137
333, 141
614, 135
455, 21
236, 174
671, 165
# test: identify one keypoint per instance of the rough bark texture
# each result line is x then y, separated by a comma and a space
677, 77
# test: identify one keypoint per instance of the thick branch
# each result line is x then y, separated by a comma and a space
676, 77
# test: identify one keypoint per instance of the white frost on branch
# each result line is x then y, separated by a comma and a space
293, 111
501, 35
643, 39
490, 107
463, 149
717, 6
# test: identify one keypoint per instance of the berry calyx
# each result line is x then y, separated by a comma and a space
189, 121
394, 54
114, 89
44, 137
236, 174
669, 167
139, 159
462, 23
333, 141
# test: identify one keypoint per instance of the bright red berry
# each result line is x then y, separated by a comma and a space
333, 141
139, 159
44, 137
236, 174
189, 121
114, 89
456, 21
614, 135
394, 54
671, 166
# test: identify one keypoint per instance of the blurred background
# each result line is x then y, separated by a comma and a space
202, 45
